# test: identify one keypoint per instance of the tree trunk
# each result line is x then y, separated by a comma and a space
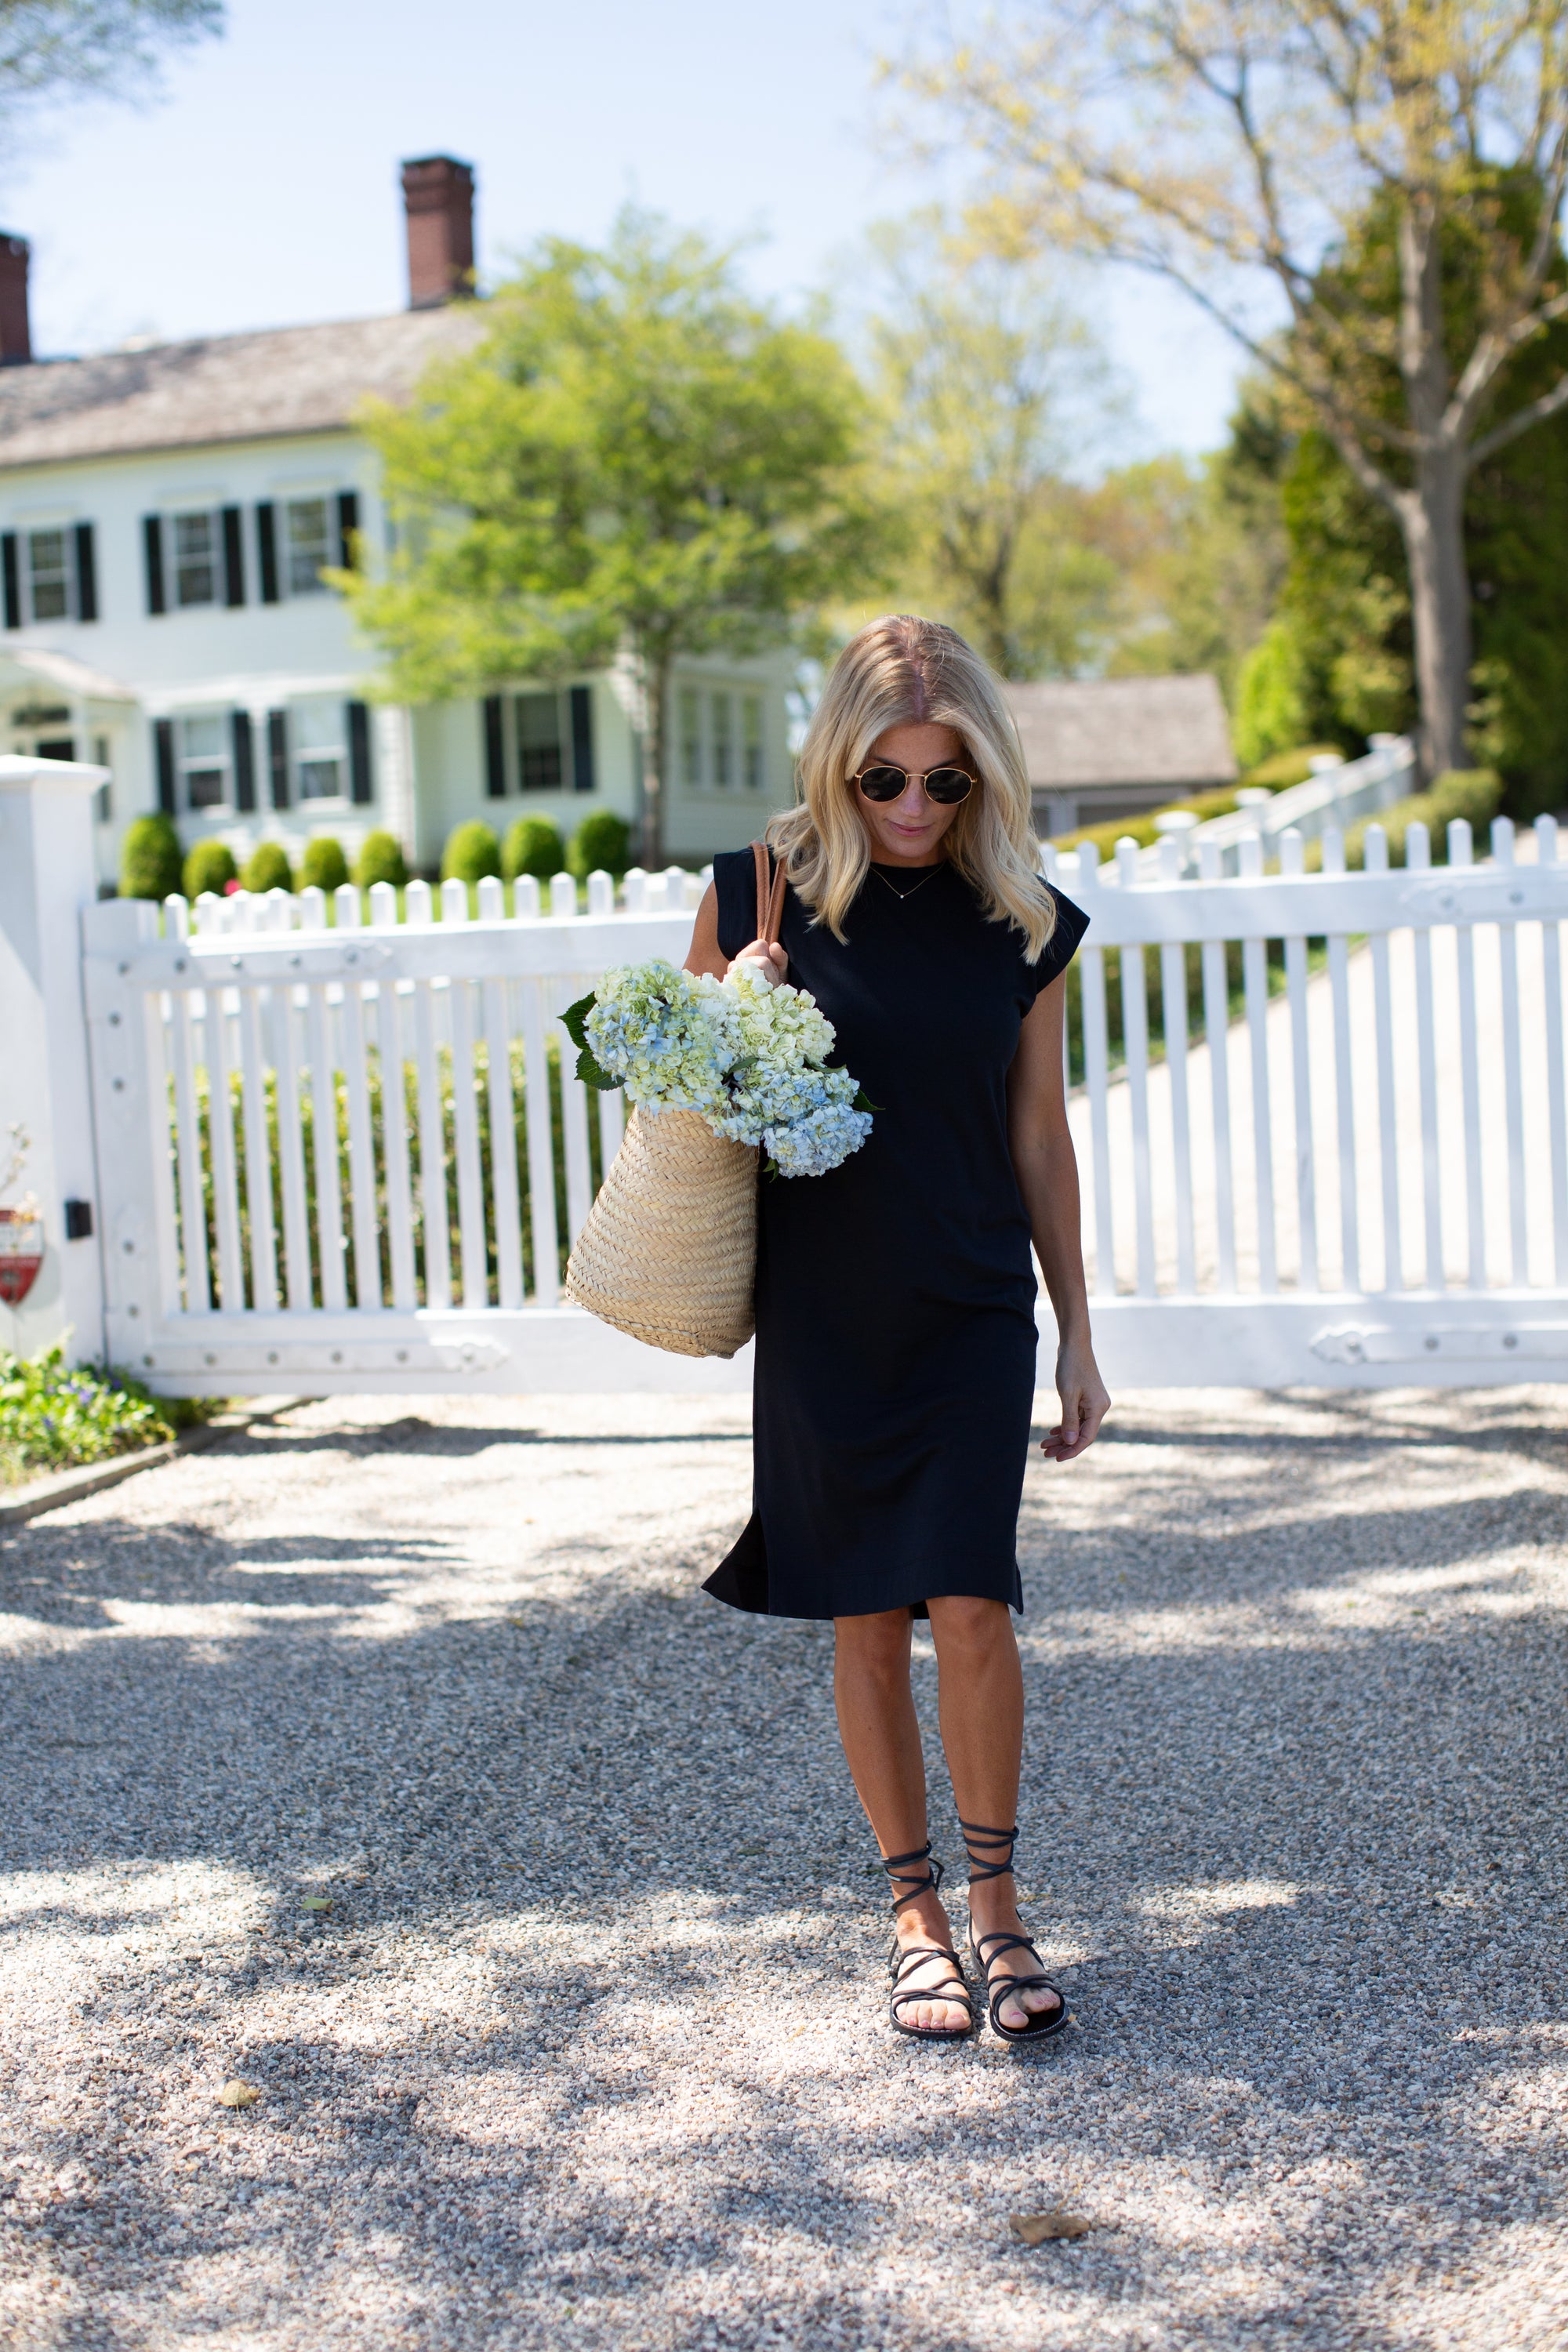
1432, 511
656, 698
1432, 517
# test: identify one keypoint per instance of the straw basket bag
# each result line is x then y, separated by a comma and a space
669, 1251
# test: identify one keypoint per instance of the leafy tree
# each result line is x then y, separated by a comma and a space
267, 867
90, 47
1200, 550
1246, 145
323, 866
380, 859
533, 845
636, 459
209, 867
1345, 619
602, 843
1269, 713
149, 863
992, 391
472, 853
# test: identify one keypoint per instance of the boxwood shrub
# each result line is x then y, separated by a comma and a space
150, 865
209, 867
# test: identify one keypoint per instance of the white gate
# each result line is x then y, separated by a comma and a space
1347, 1163
1321, 1121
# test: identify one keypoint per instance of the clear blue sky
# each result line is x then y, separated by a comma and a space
261, 189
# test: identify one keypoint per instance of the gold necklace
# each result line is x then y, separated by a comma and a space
902, 894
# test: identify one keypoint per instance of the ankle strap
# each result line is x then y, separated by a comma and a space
895, 1864
981, 1867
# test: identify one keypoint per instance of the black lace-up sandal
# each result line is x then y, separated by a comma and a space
903, 1957
988, 1949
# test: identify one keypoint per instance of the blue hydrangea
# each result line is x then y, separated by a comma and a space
749, 1057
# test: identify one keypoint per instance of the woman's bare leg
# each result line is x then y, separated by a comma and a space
882, 1738
981, 1709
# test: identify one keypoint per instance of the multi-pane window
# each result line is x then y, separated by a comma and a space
690, 728
320, 754
723, 734
539, 762
195, 550
204, 757
307, 544
751, 742
49, 574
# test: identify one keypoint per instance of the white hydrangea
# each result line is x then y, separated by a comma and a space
670, 1038
747, 1056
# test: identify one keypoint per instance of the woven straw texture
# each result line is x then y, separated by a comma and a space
669, 1249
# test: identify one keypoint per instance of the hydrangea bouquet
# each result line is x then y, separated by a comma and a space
749, 1056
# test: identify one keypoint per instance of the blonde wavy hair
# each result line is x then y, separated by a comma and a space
899, 671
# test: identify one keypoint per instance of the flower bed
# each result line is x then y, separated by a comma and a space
56, 1416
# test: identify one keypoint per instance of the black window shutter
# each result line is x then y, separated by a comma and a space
348, 523
278, 756
267, 547
86, 573
163, 754
359, 752
581, 698
152, 548
13, 583
495, 750
233, 556
243, 737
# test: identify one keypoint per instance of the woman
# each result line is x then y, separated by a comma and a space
896, 1336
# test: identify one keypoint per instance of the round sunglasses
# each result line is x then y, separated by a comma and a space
946, 786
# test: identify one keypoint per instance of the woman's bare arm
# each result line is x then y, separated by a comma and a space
705, 953
1047, 1168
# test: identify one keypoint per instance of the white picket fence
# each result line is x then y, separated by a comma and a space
351, 1157
1329, 799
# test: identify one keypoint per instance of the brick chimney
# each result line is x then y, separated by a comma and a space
438, 199
15, 335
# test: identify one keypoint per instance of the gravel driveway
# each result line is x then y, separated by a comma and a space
588, 2048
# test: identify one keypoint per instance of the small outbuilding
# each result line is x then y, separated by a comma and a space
1110, 747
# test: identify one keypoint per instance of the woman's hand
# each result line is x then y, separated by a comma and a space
1084, 1401
707, 955
771, 958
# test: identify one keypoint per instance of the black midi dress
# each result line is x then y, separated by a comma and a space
895, 1353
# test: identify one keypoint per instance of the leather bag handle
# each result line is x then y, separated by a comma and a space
770, 893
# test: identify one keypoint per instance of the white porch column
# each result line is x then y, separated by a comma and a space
46, 877
393, 731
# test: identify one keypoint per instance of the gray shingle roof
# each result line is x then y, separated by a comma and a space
285, 380
1080, 732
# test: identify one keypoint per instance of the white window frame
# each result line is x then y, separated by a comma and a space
170, 522
65, 533
689, 737
722, 738
306, 755
754, 742
315, 586
187, 763
562, 739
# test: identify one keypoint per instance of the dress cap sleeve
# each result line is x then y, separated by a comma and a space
1063, 944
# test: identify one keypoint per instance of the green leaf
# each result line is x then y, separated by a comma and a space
575, 1022
591, 1075
315, 1902
863, 1101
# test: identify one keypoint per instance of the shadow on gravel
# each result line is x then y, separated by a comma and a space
415, 1436
592, 2032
